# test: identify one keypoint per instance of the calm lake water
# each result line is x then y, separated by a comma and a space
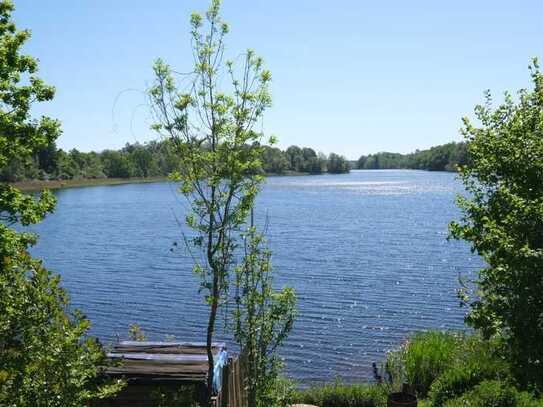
366, 252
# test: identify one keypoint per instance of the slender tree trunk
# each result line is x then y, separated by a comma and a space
209, 342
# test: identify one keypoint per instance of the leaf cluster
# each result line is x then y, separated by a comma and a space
45, 357
212, 130
263, 318
503, 221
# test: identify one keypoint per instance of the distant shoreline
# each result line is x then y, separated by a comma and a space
38, 185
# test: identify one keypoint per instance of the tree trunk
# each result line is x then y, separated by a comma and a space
209, 342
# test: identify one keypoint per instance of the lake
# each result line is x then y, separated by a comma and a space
366, 252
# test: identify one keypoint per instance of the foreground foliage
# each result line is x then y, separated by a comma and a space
211, 128
263, 318
503, 221
444, 369
494, 393
448, 368
45, 359
422, 359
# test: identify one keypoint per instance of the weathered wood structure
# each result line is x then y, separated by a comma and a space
151, 367
234, 393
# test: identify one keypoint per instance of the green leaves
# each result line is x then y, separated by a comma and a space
195, 20
212, 129
263, 318
45, 358
503, 220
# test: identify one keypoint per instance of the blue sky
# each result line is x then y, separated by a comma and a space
352, 77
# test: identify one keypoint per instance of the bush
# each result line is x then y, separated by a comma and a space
494, 394
423, 358
283, 392
444, 365
502, 220
338, 395
458, 380
477, 362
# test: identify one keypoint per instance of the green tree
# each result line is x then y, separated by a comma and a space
142, 160
337, 164
93, 166
361, 162
295, 158
116, 164
219, 153
67, 166
274, 161
372, 162
45, 358
263, 318
310, 163
503, 221
16, 169
47, 158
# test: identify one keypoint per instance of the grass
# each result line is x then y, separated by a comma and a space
423, 358
455, 369
339, 395
446, 369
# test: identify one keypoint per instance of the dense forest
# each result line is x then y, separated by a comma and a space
152, 159
446, 157
158, 158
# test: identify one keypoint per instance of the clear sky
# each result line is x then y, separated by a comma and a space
349, 76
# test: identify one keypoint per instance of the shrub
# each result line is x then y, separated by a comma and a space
338, 395
444, 365
283, 391
502, 220
495, 394
456, 381
466, 374
423, 358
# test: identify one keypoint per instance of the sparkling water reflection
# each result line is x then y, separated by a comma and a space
366, 252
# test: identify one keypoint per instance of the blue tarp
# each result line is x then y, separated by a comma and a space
220, 363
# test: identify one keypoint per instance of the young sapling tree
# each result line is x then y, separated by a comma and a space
212, 129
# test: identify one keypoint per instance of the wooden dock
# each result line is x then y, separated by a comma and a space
149, 367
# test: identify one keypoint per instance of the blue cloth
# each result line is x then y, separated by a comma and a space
220, 363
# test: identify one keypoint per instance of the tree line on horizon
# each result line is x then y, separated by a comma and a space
153, 159
158, 158
445, 157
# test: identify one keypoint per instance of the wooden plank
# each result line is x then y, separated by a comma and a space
133, 366
166, 347
187, 344
161, 357
166, 350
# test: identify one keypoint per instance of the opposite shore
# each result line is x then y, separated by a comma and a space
39, 185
